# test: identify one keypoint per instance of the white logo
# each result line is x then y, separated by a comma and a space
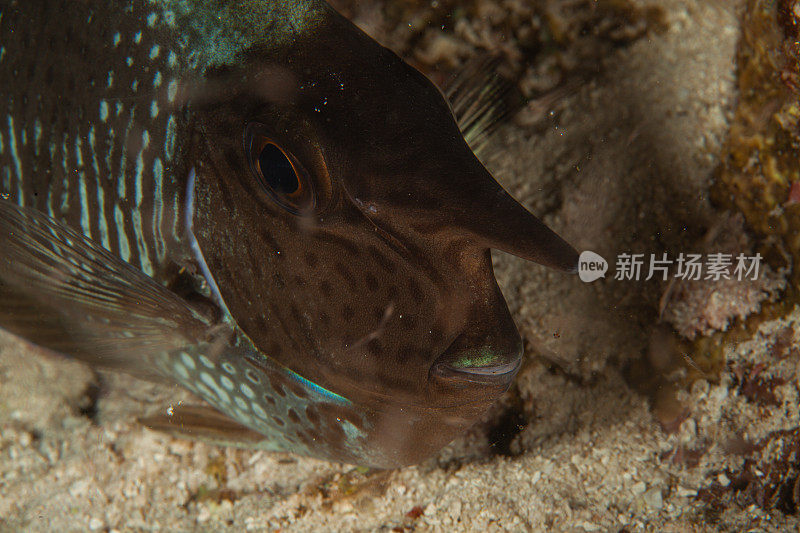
591, 266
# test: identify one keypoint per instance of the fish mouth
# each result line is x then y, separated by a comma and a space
491, 361
497, 375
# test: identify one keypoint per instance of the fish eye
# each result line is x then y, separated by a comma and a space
279, 172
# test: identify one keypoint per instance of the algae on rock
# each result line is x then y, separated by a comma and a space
760, 172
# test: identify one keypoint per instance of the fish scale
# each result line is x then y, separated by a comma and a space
229, 372
231, 385
117, 105
130, 200
138, 230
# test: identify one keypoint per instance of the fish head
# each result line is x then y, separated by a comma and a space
348, 226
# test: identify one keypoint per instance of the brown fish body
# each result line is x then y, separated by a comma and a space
298, 205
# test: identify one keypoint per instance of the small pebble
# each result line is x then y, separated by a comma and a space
653, 500
25, 439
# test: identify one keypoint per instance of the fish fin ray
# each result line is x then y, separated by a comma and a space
63, 291
204, 423
482, 99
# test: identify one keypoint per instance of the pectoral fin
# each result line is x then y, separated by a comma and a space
63, 291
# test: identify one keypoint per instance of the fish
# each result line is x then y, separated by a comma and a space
256, 201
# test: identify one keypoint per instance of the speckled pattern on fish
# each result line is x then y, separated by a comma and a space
255, 200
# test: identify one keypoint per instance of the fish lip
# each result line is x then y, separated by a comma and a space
486, 375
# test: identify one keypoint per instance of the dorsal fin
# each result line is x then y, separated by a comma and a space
482, 99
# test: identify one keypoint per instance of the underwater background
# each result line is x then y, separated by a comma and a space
653, 128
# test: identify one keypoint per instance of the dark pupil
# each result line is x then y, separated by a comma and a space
277, 170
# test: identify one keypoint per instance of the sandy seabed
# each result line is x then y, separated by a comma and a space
623, 164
